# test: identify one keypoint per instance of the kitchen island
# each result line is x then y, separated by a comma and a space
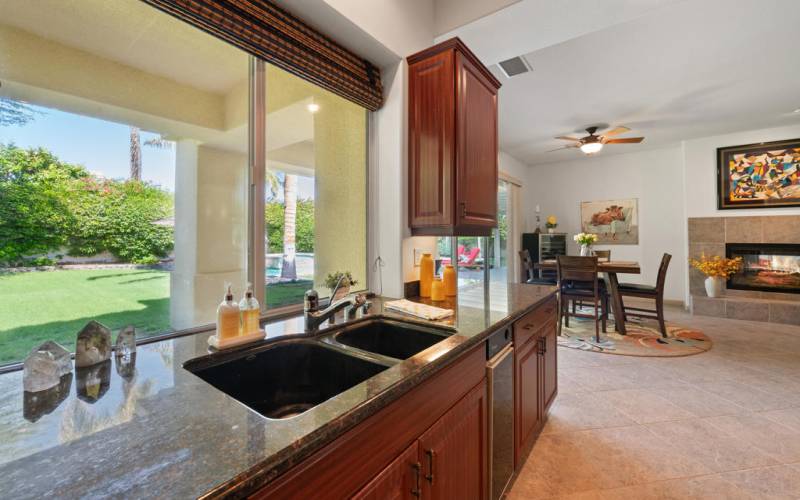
161, 431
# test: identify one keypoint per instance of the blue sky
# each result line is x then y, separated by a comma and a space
103, 147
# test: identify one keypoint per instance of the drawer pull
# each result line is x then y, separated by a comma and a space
431, 456
416, 490
529, 326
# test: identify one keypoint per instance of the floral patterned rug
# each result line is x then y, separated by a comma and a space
643, 339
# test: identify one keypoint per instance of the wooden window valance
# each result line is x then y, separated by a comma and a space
270, 33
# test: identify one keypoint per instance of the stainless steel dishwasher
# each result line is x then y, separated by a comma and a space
500, 375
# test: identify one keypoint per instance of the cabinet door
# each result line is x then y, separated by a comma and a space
431, 116
476, 159
527, 401
453, 451
550, 365
400, 479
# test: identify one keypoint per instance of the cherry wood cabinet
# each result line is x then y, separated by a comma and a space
535, 375
452, 141
528, 411
453, 451
401, 479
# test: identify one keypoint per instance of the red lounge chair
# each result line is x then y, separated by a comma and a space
468, 260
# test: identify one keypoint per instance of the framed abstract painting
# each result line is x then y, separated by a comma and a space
763, 175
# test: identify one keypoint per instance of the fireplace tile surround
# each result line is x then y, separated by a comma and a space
710, 234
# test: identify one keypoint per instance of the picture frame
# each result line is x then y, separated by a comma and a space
760, 175
615, 222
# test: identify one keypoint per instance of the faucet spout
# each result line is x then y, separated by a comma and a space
314, 318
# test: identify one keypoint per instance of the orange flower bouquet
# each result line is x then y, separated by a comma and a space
716, 270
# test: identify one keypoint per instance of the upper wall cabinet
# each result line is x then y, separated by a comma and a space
452, 141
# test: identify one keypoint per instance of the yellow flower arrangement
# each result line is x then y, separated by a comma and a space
551, 221
716, 266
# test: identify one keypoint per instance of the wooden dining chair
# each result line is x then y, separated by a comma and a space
655, 293
603, 254
577, 280
600, 254
530, 270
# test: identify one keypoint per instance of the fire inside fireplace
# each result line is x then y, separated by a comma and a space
766, 267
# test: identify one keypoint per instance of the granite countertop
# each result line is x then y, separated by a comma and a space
157, 430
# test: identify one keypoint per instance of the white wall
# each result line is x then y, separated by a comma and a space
700, 164
654, 177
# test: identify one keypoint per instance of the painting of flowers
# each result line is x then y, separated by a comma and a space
764, 175
615, 222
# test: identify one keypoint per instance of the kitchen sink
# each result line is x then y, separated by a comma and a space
286, 379
390, 338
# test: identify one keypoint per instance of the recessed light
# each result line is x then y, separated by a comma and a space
312, 107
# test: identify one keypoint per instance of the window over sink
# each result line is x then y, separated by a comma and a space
144, 164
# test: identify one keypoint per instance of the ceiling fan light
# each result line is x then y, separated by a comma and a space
591, 147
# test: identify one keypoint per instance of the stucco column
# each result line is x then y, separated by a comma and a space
210, 231
340, 190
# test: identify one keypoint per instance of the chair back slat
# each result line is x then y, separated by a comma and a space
527, 262
576, 268
662, 272
603, 254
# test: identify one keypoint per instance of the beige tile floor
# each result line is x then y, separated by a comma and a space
724, 424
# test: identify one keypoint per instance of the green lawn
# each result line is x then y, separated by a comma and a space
55, 305
39, 306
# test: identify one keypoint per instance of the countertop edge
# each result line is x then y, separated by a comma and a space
260, 475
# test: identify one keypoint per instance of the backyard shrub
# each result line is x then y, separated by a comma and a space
34, 213
118, 216
46, 204
304, 226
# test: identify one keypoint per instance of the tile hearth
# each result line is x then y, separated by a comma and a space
708, 235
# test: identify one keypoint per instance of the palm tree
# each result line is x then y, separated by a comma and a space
136, 151
289, 268
16, 112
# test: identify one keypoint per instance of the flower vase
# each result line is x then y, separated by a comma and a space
714, 286
585, 251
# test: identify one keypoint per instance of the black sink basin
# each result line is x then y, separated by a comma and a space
286, 379
390, 338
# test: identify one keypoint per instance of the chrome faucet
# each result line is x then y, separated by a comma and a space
314, 317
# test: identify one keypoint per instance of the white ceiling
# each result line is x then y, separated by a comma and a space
670, 70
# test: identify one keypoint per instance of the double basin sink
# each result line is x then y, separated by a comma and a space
287, 378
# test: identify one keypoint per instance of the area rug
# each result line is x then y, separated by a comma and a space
643, 339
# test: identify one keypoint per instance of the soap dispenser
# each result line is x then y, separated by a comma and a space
228, 321
251, 312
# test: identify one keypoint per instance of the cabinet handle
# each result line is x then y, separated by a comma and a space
416, 490
529, 326
463, 209
542, 347
431, 456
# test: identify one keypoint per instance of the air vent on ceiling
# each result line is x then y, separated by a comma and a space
514, 66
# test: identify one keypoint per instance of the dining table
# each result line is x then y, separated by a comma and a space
610, 268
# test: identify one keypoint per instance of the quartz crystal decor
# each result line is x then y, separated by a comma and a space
126, 366
126, 342
93, 381
37, 404
44, 367
93, 345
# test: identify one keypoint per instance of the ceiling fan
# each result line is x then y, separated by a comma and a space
594, 142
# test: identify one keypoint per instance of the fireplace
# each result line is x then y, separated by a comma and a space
767, 267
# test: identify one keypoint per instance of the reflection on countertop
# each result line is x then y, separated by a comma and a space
151, 428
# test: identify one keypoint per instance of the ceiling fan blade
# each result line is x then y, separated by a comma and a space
625, 140
568, 138
569, 146
616, 131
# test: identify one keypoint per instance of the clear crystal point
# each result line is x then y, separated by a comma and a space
44, 367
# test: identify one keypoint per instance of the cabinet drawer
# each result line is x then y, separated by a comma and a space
528, 325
